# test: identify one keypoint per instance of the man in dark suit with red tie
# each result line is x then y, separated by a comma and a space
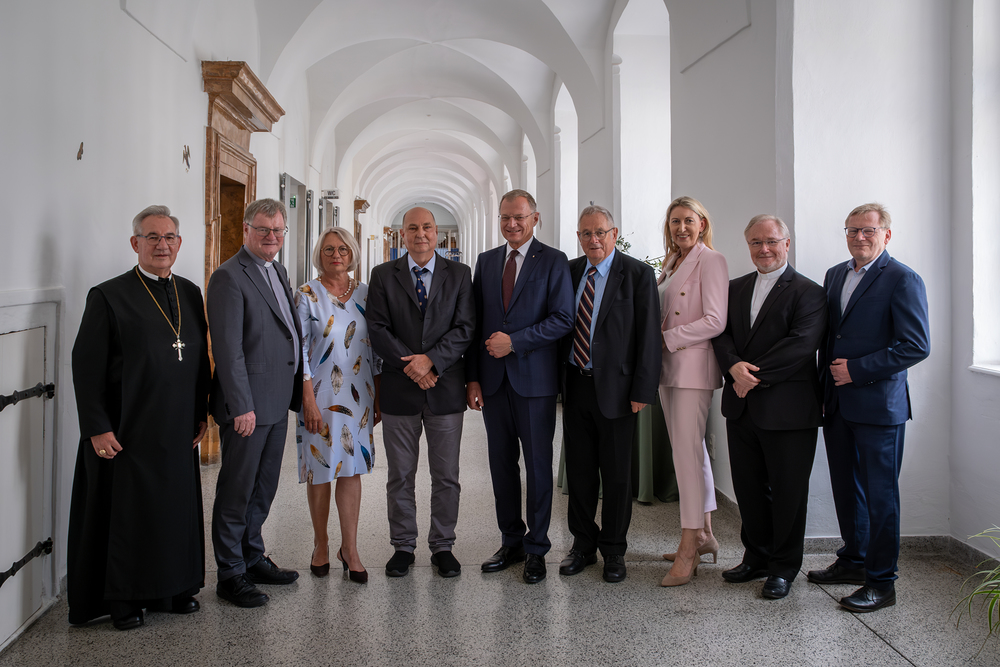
611, 361
772, 404
524, 305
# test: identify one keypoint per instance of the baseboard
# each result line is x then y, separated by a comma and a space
961, 551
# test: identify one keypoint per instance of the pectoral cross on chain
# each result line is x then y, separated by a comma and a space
178, 345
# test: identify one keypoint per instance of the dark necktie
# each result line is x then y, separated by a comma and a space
584, 314
421, 290
509, 272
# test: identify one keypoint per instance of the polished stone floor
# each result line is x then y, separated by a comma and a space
495, 619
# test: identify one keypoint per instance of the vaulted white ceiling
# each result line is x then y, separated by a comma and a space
439, 100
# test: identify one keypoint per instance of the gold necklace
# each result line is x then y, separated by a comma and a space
178, 344
350, 286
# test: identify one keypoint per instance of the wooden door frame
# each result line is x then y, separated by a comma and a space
238, 106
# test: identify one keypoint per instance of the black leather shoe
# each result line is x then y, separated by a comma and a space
776, 588
837, 574
447, 564
743, 573
177, 605
130, 621
575, 561
614, 569
534, 568
503, 559
241, 592
186, 605
399, 564
265, 571
867, 598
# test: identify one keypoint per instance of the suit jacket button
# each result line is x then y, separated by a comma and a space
682, 293
677, 312
290, 363
838, 336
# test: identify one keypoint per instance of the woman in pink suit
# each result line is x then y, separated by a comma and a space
694, 295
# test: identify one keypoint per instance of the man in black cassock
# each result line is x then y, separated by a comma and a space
141, 374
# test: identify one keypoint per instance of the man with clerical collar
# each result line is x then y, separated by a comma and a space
258, 379
141, 375
772, 404
611, 368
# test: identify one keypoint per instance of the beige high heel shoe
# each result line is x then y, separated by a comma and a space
671, 580
710, 547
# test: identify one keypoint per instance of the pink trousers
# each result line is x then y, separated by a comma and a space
686, 414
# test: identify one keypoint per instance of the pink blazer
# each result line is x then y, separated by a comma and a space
694, 312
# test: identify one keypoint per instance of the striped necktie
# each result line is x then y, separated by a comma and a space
584, 314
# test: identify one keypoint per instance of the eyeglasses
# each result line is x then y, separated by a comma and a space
343, 251
867, 232
516, 218
598, 234
154, 239
262, 232
770, 243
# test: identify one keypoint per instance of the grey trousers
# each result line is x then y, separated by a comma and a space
248, 480
401, 438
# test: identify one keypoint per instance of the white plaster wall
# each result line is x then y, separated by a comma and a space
974, 503
645, 140
88, 72
871, 98
723, 148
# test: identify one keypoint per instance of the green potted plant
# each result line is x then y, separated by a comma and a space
985, 593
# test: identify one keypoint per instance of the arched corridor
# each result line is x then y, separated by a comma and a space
792, 107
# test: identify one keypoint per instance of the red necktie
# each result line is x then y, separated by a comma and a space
507, 286
581, 337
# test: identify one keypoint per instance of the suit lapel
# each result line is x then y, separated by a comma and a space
779, 289
870, 275
683, 272
403, 278
531, 259
253, 272
614, 281
441, 274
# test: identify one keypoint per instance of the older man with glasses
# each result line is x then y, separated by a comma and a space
772, 404
258, 379
141, 374
610, 372
878, 329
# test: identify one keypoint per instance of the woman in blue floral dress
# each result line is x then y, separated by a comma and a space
340, 397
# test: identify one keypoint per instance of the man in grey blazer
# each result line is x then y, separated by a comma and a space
258, 379
421, 318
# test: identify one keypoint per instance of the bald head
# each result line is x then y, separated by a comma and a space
419, 234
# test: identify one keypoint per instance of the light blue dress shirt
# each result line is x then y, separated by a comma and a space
852, 281
427, 277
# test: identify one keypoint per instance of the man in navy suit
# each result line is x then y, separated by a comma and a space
878, 329
524, 305
612, 367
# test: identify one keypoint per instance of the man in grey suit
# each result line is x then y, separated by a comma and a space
258, 379
421, 318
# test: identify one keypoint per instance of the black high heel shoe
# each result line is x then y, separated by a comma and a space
359, 577
319, 570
